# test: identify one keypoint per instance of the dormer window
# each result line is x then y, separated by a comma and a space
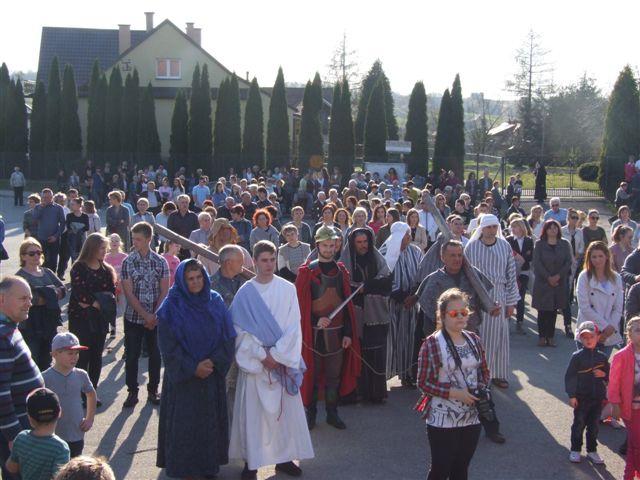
168, 69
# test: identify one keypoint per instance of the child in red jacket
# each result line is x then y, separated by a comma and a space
624, 395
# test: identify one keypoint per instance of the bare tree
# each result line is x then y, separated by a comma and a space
486, 115
344, 65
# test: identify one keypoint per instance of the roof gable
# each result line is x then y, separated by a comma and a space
80, 47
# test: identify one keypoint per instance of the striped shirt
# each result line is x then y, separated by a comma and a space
19, 375
39, 457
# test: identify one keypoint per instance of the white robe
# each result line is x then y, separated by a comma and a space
269, 425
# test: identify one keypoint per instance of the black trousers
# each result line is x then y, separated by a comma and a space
18, 197
547, 323
91, 359
51, 251
451, 451
134, 334
63, 256
40, 347
373, 384
524, 283
75, 448
586, 416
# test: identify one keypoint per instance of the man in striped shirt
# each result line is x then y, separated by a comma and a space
19, 375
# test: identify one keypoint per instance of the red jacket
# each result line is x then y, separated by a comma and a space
621, 378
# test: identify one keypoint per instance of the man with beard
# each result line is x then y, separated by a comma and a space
330, 345
492, 255
366, 265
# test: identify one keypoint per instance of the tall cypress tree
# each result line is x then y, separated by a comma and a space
96, 114
112, 141
37, 133
456, 151
220, 139
374, 74
195, 120
278, 125
206, 128
347, 143
311, 142
70, 135
148, 140
129, 116
335, 127
375, 126
443, 135
5, 89
179, 140
233, 127
16, 125
253, 136
621, 132
416, 131
52, 141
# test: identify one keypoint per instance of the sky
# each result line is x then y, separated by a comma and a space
415, 40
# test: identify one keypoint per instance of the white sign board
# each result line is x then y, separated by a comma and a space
383, 167
397, 146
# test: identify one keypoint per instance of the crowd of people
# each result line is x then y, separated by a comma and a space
306, 288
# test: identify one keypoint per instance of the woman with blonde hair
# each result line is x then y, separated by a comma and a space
535, 221
44, 315
222, 233
418, 232
622, 246
93, 282
452, 375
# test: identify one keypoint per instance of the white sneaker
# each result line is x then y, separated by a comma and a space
595, 458
574, 457
616, 424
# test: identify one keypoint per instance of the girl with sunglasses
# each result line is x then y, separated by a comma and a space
44, 315
451, 365
592, 232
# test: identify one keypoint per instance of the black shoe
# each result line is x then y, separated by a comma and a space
334, 420
248, 474
131, 400
311, 417
568, 332
154, 398
289, 468
496, 437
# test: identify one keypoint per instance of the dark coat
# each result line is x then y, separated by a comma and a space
547, 262
526, 252
541, 184
579, 381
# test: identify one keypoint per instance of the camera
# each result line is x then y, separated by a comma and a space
484, 405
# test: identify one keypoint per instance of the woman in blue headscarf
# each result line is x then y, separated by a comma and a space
196, 338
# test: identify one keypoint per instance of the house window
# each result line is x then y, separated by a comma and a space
168, 68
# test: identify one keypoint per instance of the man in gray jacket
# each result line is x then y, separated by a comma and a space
17, 182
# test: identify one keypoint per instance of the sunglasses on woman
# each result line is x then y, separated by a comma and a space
463, 312
33, 253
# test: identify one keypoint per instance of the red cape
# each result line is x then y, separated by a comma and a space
351, 364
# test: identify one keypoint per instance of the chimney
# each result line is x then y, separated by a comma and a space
149, 16
197, 35
247, 77
190, 30
124, 38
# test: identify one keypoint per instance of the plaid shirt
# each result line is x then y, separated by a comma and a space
429, 363
145, 274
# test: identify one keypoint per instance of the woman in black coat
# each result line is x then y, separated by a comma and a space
540, 173
522, 246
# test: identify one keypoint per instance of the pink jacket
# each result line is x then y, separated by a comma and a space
621, 378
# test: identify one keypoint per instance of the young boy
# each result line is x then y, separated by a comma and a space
70, 383
39, 453
585, 383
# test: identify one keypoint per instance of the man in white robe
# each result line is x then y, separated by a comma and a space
492, 255
269, 423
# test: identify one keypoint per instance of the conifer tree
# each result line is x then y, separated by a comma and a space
368, 83
220, 143
278, 125
375, 126
16, 125
416, 131
179, 140
253, 136
113, 108
195, 120
5, 87
311, 142
52, 141
206, 145
456, 151
37, 133
70, 135
233, 127
346, 122
621, 132
443, 135
129, 116
335, 127
148, 145
96, 114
